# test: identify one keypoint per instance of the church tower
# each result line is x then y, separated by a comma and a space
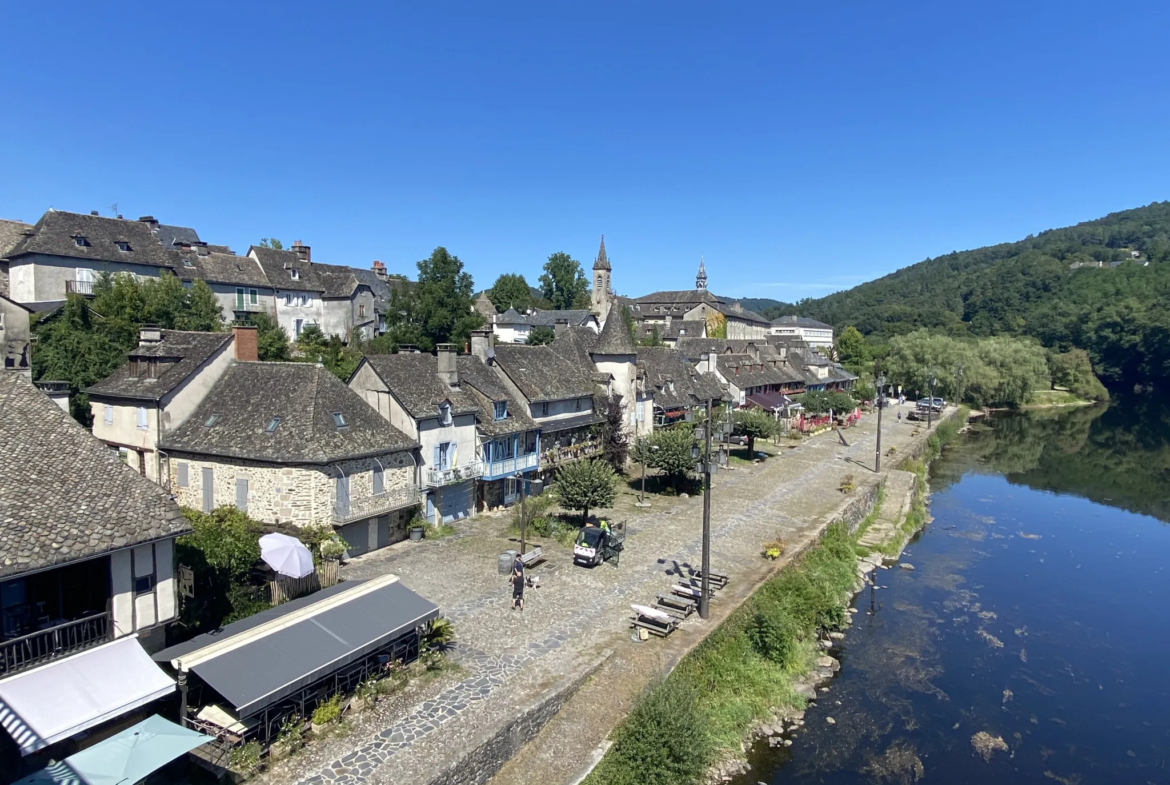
701, 278
601, 271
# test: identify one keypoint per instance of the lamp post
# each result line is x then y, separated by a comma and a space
880, 381
930, 401
523, 514
642, 495
705, 585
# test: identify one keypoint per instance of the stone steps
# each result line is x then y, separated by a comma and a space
895, 508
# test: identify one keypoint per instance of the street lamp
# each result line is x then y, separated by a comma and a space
523, 517
705, 584
880, 381
642, 496
930, 401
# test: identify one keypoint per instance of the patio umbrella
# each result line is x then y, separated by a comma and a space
286, 555
124, 758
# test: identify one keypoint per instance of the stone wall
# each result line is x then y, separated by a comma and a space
485, 755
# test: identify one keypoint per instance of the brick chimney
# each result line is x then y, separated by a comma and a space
245, 340
303, 252
148, 334
483, 345
150, 221
379, 270
448, 371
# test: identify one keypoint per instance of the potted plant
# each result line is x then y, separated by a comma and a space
365, 696
333, 548
289, 739
326, 712
417, 528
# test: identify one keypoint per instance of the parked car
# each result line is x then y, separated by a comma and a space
739, 439
925, 403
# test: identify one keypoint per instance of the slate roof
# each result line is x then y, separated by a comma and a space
662, 366
413, 379
695, 296
670, 333
222, 268
64, 495
743, 371
602, 261
176, 236
54, 234
335, 281
574, 345
614, 337
276, 265
541, 318
484, 306
179, 354
739, 313
695, 348
304, 396
11, 233
800, 321
542, 374
483, 383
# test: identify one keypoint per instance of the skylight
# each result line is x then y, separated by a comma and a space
122, 245
80, 241
272, 424
212, 420
339, 419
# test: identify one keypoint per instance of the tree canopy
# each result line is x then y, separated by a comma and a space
585, 485
438, 308
271, 242
511, 290
754, 424
563, 283
539, 336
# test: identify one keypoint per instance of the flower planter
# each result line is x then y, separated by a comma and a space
279, 750
416, 532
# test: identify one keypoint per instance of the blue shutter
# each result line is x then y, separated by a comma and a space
438, 462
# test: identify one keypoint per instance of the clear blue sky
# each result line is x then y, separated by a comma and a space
799, 147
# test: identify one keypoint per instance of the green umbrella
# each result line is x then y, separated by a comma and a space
124, 758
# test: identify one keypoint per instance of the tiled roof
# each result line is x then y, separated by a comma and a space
55, 234
695, 348
800, 321
695, 296
487, 389
64, 495
413, 379
743, 370
305, 397
277, 265
542, 374
614, 337
178, 354
662, 366
335, 281
739, 313
574, 345
678, 328
175, 236
221, 268
11, 233
541, 318
484, 306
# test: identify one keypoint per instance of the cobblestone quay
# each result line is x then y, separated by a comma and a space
511, 660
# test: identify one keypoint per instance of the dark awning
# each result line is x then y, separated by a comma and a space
257, 662
769, 401
577, 421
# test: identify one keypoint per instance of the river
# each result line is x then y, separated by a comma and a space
1036, 613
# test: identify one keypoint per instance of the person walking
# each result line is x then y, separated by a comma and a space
518, 584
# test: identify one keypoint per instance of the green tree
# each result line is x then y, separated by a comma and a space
586, 485
616, 442
754, 424
510, 291
539, 336
1073, 371
202, 313
443, 311
563, 283
220, 550
841, 402
273, 243
815, 402
673, 454
852, 351
654, 338
271, 338
72, 346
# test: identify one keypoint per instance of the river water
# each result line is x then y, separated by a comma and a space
1036, 613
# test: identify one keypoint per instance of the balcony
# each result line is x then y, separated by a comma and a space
494, 470
84, 288
246, 307
61, 640
350, 510
554, 456
437, 478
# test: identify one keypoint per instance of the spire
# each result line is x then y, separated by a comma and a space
701, 278
602, 262
614, 337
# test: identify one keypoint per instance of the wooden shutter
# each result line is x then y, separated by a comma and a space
242, 494
208, 490
181, 472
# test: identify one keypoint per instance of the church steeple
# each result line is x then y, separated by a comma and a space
601, 271
701, 278
602, 261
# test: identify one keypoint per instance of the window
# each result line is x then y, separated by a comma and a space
361, 311
253, 296
641, 411
272, 425
142, 420
187, 262
242, 494
182, 479
295, 273
143, 585
123, 246
379, 481
445, 414
211, 421
80, 241
544, 410
298, 326
500, 410
287, 298
108, 414
339, 419
577, 404
239, 298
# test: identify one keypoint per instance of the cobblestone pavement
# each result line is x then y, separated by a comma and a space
575, 611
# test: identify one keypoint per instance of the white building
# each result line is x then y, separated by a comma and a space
815, 334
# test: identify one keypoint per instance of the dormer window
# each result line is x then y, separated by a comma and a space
500, 410
295, 273
211, 421
272, 425
123, 246
339, 419
445, 414
188, 263
80, 241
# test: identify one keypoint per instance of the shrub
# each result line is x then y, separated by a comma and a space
773, 549
367, 691
327, 711
847, 484
754, 424
664, 741
439, 634
292, 733
673, 456
772, 636
245, 758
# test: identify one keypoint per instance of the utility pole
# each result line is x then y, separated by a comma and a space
930, 408
523, 515
705, 585
880, 381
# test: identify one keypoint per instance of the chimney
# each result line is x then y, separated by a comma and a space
201, 249
379, 270
93, 212
483, 345
303, 252
148, 334
58, 393
150, 221
448, 371
562, 326
244, 338
737, 307
407, 348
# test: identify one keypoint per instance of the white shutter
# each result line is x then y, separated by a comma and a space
142, 418
109, 414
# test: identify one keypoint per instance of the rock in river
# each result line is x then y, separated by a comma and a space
906, 566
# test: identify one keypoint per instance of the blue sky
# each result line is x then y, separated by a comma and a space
800, 148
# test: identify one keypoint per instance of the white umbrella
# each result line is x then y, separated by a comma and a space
286, 555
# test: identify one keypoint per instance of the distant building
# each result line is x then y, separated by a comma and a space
815, 334
514, 327
721, 317
602, 294
15, 336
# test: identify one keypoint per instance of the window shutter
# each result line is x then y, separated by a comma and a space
109, 414
437, 463
208, 490
242, 494
379, 482
181, 472
142, 418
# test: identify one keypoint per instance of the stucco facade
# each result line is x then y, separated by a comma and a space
37, 278
14, 336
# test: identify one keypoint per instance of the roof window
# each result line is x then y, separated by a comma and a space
211, 421
500, 410
272, 425
123, 246
80, 241
295, 273
339, 419
188, 263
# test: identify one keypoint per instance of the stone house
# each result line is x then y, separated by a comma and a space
11, 233
721, 317
675, 388
14, 336
87, 579
423, 396
289, 443
158, 387
240, 286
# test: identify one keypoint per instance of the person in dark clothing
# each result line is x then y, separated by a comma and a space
518, 584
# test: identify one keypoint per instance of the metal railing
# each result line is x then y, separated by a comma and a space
439, 477
349, 510
79, 287
38, 647
555, 455
246, 307
508, 466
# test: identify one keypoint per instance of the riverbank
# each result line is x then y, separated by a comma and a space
758, 669
1055, 399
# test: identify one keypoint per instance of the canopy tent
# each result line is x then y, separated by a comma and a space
124, 758
53, 702
255, 663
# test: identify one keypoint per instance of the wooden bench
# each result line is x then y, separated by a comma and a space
678, 607
717, 580
653, 620
532, 558
686, 590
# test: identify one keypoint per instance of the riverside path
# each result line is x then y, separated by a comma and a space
508, 657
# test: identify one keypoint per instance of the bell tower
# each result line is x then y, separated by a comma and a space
601, 272
701, 278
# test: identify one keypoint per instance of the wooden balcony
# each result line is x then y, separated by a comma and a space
37, 648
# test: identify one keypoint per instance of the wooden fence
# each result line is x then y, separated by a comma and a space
284, 589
